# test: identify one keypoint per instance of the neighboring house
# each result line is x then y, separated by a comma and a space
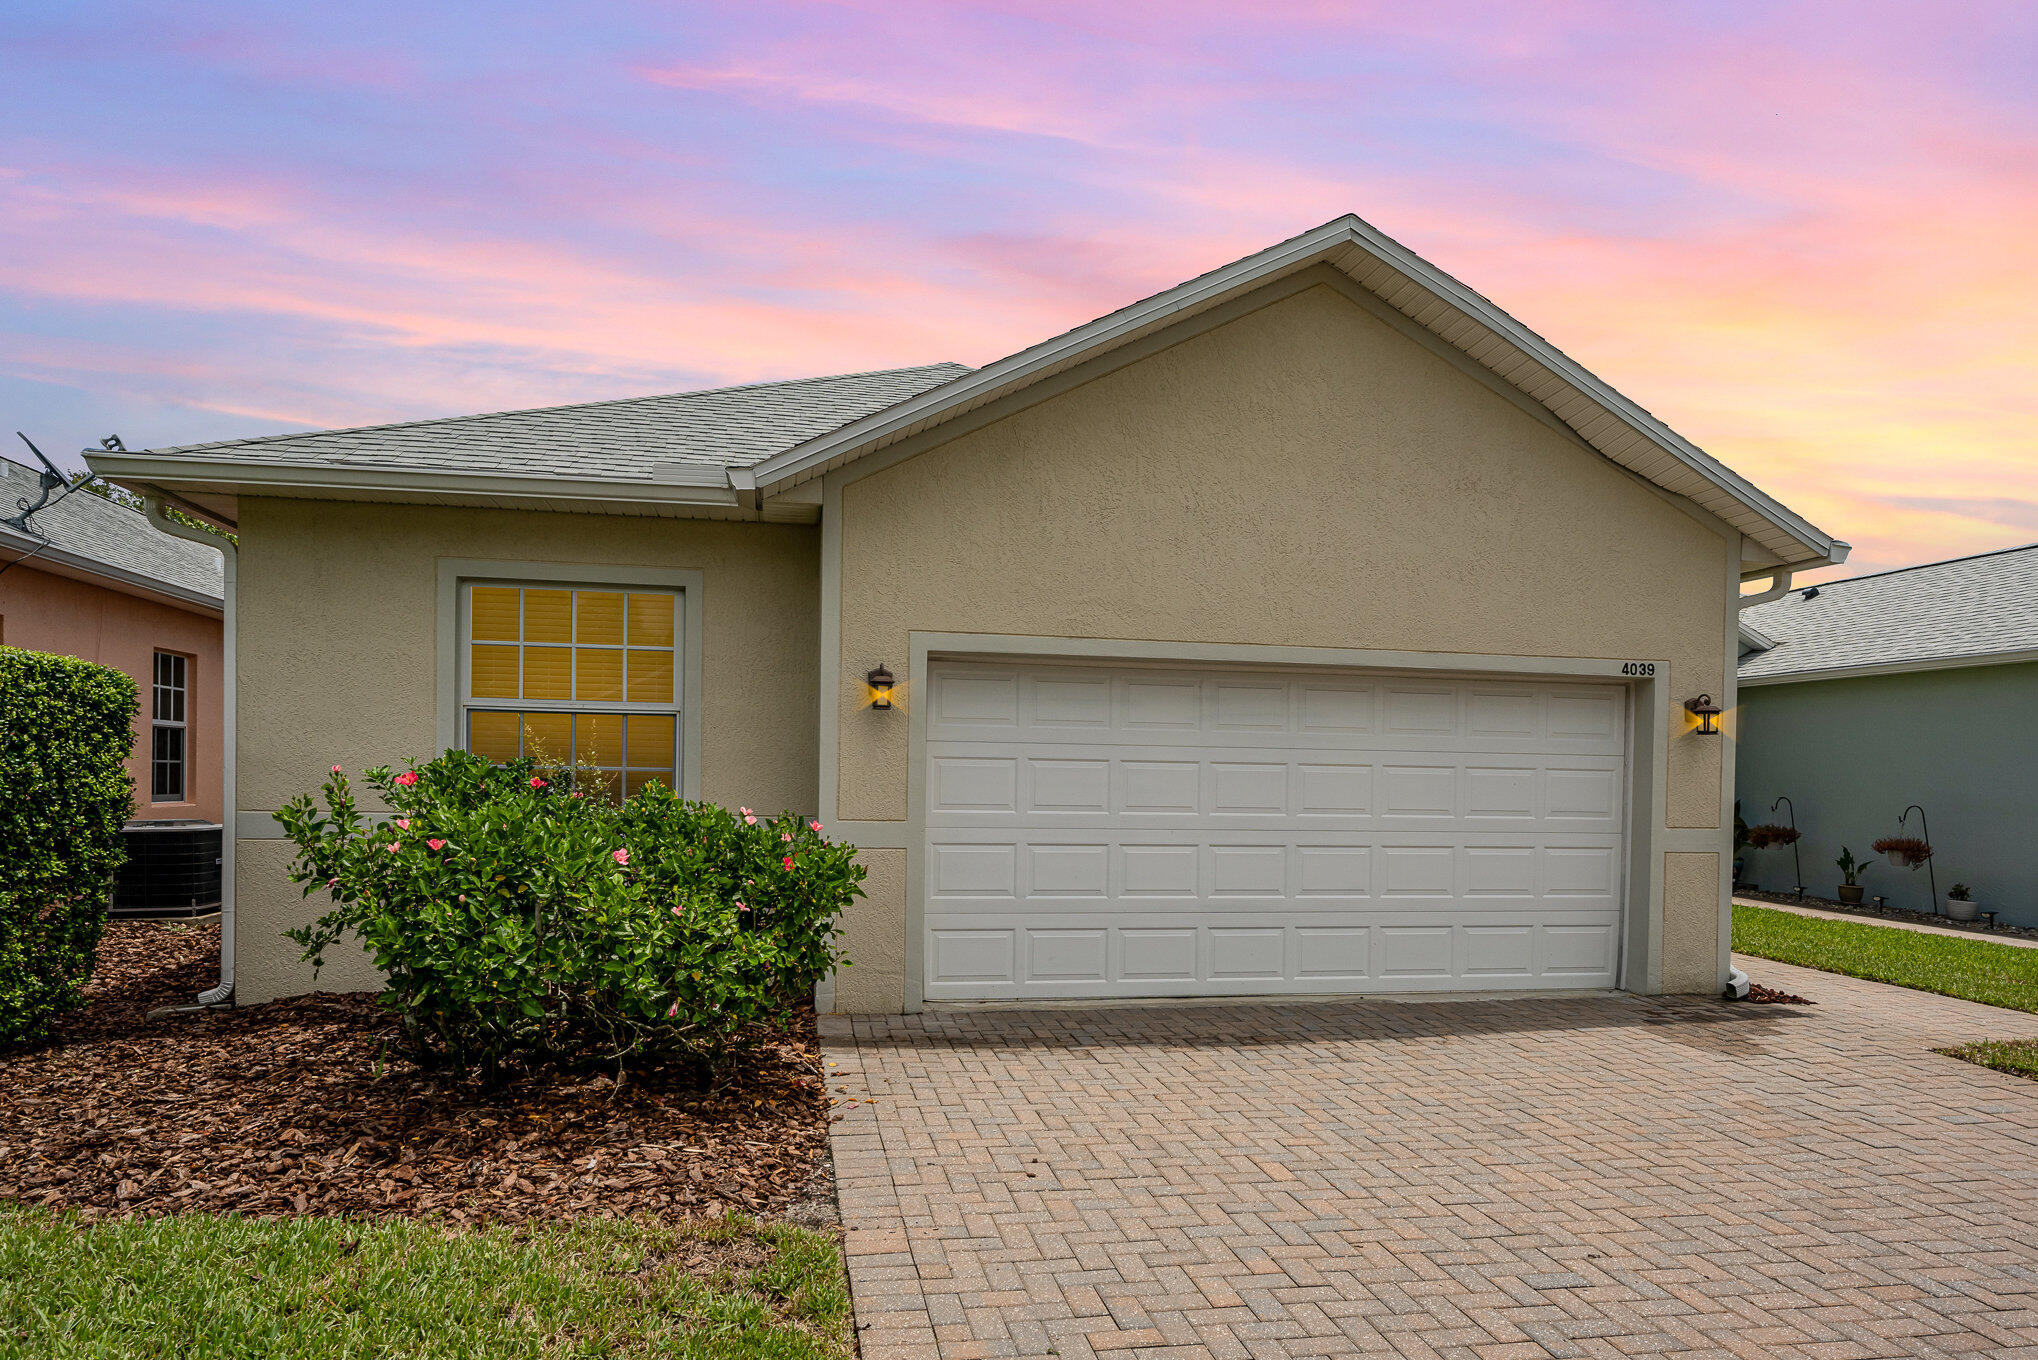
1862, 697
1312, 626
96, 580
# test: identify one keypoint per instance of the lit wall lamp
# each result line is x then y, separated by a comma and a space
881, 682
1705, 710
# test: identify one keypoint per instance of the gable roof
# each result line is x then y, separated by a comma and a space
1969, 611
81, 534
734, 451
1602, 417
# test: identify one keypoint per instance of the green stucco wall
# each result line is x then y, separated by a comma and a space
1853, 753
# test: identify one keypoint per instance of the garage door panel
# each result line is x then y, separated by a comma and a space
1098, 831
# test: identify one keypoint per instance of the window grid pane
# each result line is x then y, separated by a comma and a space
563, 647
168, 768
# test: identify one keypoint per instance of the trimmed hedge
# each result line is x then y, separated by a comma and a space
66, 727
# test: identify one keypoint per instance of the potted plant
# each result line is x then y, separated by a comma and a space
1960, 904
1851, 870
1905, 852
1769, 833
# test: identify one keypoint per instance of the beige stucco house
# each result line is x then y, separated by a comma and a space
1310, 627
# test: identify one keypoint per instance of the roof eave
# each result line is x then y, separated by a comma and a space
709, 488
1910, 666
139, 584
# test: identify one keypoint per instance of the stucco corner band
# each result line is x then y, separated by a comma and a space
1640, 964
453, 571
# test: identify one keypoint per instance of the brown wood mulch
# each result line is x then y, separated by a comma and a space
1769, 996
305, 1106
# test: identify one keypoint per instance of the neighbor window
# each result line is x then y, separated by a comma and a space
588, 676
169, 768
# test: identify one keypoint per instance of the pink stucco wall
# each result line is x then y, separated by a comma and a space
45, 612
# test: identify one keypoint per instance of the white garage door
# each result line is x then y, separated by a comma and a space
1118, 831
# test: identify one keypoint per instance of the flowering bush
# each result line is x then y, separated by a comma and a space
517, 919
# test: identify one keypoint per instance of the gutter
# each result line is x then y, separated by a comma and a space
1779, 586
137, 584
229, 718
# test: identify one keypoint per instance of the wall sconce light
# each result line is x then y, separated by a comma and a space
1705, 710
881, 682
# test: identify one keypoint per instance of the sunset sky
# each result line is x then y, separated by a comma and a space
1806, 235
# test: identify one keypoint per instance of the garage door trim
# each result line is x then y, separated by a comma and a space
1647, 736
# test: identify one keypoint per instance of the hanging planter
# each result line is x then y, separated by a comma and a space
1905, 852
1768, 834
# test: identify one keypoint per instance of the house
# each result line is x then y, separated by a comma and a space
93, 579
1310, 627
1860, 698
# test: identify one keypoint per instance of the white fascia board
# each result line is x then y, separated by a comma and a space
1320, 244
36, 554
1932, 663
705, 486
1480, 309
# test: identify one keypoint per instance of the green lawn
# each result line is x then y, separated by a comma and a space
2004, 1055
1974, 970
204, 1286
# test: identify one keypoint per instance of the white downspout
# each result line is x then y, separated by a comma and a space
229, 717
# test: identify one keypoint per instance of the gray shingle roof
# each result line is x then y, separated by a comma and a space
1941, 611
93, 528
626, 440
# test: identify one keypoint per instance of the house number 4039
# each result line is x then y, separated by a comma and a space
1638, 668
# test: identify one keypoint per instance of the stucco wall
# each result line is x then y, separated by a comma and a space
45, 612
1304, 475
1852, 754
338, 663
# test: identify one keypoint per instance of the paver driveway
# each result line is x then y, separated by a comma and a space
1601, 1176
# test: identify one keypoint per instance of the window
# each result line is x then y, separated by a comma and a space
169, 768
587, 676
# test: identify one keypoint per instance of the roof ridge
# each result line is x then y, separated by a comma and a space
1823, 586
564, 406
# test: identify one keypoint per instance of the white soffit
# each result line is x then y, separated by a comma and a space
1602, 417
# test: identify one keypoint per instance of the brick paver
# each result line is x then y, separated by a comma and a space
1604, 1176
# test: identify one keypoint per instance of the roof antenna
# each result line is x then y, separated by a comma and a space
51, 479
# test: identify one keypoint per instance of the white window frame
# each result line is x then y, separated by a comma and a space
457, 574
180, 724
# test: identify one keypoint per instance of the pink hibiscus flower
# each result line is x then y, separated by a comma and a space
620, 856
406, 779
393, 846
436, 844
814, 827
749, 821
537, 783
403, 823
788, 861
336, 769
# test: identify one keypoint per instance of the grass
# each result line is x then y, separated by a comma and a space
1973, 970
199, 1287
2018, 1056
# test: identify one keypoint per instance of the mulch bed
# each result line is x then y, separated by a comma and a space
1769, 996
1870, 910
306, 1106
